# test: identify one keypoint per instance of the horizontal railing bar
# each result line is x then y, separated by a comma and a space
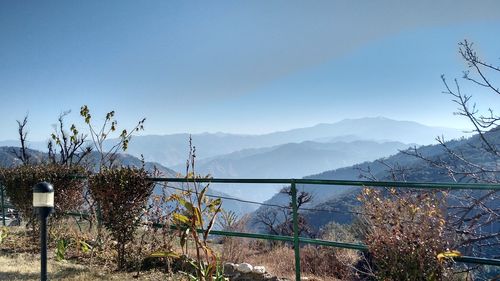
400, 184
474, 260
76, 214
343, 245
422, 185
252, 235
237, 234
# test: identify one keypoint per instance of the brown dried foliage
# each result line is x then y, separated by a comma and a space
121, 194
405, 233
19, 182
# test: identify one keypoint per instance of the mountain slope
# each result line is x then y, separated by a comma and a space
9, 159
171, 150
343, 198
295, 159
292, 160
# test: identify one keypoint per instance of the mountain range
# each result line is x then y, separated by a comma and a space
288, 154
334, 203
172, 150
291, 160
8, 158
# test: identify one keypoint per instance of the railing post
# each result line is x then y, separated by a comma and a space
3, 205
296, 245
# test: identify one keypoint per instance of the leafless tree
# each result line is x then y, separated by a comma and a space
22, 152
473, 215
279, 221
71, 145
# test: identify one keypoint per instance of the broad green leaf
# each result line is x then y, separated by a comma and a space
186, 205
180, 218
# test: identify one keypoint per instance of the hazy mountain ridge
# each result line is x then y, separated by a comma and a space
172, 150
344, 197
292, 160
9, 159
290, 154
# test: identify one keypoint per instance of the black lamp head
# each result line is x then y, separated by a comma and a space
43, 187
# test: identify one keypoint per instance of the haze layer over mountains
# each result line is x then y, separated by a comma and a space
287, 154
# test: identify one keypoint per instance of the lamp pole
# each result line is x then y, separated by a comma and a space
43, 204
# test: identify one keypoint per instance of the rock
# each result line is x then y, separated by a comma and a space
259, 269
229, 269
244, 267
247, 272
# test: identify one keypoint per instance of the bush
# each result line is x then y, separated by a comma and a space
19, 182
405, 233
121, 195
234, 249
330, 261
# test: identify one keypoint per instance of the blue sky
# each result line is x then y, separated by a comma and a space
237, 66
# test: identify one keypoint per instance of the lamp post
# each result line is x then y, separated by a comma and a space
43, 204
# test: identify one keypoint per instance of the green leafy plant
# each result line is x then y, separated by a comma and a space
4, 232
195, 218
61, 248
208, 272
70, 240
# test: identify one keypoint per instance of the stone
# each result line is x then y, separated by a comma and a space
244, 267
259, 269
229, 269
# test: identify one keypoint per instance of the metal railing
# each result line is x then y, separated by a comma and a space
293, 190
297, 240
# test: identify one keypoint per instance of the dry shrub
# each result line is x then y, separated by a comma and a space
329, 261
234, 249
406, 231
155, 236
19, 182
326, 263
121, 195
17, 240
278, 261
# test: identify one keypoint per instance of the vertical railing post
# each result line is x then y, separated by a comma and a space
295, 216
3, 205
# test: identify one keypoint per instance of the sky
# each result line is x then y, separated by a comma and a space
238, 66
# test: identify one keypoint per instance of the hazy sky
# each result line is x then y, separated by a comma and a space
237, 66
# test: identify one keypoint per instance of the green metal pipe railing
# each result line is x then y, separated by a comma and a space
3, 204
398, 184
343, 245
295, 221
295, 239
293, 190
